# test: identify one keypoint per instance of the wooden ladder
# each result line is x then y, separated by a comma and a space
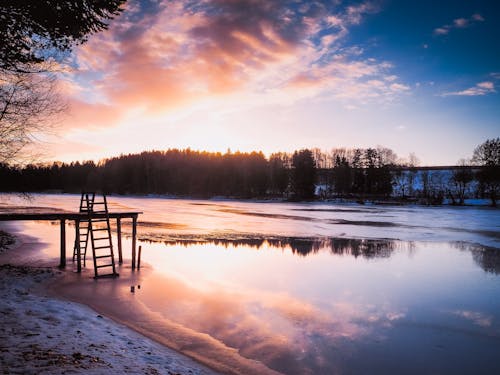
82, 240
100, 236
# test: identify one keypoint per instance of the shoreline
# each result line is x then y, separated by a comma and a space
42, 333
188, 304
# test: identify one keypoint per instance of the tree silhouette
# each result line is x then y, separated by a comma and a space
303, 174
33, 31
460, 179
487, 155
279, 167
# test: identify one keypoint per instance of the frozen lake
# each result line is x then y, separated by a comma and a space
309, 288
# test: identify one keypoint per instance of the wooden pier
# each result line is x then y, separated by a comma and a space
77, 217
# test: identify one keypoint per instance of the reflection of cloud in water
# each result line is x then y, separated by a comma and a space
475, 317
285, 333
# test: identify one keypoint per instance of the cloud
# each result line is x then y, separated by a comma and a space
399, 87
442, 30
355, 13
482, 88
495, 75
458, 23
477, 17
91, 115
162, 56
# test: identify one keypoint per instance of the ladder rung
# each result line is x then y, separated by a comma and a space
99, 229
102, 256
105, 265
101, 238
102, 247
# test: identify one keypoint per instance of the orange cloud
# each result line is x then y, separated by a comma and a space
162, 56
91, 115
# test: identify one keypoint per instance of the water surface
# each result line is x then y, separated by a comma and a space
307, 288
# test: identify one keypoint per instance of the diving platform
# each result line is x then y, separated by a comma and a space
66, 216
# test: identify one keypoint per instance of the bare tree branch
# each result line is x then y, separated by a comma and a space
29, 103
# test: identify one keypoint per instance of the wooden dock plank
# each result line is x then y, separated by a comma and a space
11, 216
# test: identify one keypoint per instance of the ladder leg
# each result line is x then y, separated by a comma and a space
78, 249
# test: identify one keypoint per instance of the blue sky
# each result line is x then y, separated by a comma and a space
418, 77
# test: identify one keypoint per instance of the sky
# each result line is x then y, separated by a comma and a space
413, 76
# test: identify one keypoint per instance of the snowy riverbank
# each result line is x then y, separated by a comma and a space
43, 335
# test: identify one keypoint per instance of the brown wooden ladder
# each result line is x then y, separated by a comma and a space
100, 236
83, 232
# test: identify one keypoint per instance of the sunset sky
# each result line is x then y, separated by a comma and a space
414, 76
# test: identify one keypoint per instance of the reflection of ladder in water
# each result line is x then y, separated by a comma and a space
99, 231
82, 240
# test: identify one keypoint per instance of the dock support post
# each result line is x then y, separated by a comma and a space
119, 236
78, 249
62, 262
139, 258
134, 239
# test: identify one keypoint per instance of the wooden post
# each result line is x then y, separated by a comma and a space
139, 258
134, 239
78, 249
62, 262
119, 236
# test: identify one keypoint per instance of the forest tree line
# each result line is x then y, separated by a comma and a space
302, 175
208, 174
